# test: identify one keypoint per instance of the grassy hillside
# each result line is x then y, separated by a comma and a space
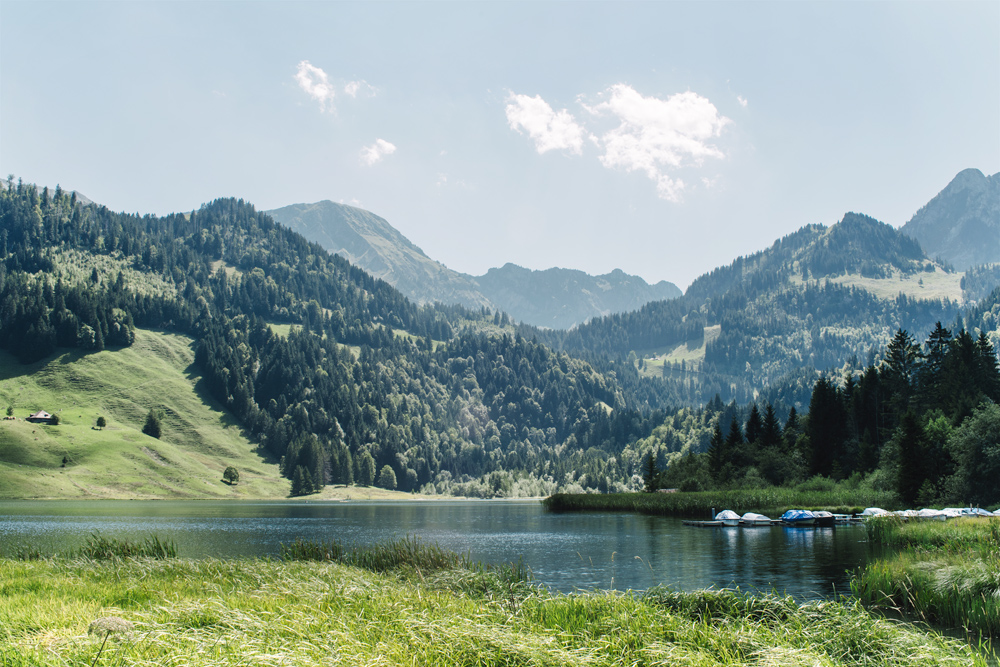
199, 438
935, 284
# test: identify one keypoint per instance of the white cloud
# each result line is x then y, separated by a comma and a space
742, 100
374, 153
353, 88
316, 84
551, 130
659, 135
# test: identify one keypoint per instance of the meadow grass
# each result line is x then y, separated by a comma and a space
209, 613
199, 437
698, 505
945, 573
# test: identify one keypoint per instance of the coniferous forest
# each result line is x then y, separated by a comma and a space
343, 380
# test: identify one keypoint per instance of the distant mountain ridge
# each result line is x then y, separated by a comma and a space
558, 298
962, 223
554, 298
370, 242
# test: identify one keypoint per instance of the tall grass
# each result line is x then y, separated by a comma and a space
407, 551
698, 505
211, 613
98, 547
978, 534
946, 573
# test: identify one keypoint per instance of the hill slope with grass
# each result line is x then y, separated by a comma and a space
198, 441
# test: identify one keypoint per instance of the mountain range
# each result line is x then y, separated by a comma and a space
961, 225
336, 374
555, 298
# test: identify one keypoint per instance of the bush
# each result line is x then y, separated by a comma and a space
152, 426
387, 478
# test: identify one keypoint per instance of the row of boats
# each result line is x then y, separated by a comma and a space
932, 514
789, 518
821, 518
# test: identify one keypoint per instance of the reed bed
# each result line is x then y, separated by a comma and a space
699, 505
407, 551
946, 573
98, 547
211, 613
980, 534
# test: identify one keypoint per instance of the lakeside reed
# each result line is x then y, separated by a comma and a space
945, 573
698, 505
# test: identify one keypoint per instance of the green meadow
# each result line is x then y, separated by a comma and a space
199, 437
408, 604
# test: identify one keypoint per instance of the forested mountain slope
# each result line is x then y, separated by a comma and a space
555, 298
796, 305
962, 223
369, 386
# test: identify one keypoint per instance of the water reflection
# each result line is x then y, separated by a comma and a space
565, 551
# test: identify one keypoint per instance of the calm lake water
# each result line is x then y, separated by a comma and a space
566, 552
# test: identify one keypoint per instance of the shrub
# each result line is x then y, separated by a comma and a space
152, 426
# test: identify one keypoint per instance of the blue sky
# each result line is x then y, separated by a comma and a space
660, 138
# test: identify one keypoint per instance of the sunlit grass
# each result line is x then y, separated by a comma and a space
199, 437
948, 573
321, 612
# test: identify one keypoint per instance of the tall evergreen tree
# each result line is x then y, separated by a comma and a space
650, 474
755, 425
770, 434
911, 451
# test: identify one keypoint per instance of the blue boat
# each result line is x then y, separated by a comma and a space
799, 518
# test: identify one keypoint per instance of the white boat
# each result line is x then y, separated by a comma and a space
873, 511
751, 519
728, 518
932, 514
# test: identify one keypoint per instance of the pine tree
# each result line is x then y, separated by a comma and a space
770, 435
755, 425
650, 474
716, 452
911, 474
827, 430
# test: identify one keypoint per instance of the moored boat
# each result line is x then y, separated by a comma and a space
728, 518
752, 519
824, 519
799, 518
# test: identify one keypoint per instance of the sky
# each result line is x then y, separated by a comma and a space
660, 138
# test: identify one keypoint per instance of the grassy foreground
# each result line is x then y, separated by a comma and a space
698, 505
946, 573
170, 611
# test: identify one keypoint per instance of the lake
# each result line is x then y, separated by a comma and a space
565, 552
